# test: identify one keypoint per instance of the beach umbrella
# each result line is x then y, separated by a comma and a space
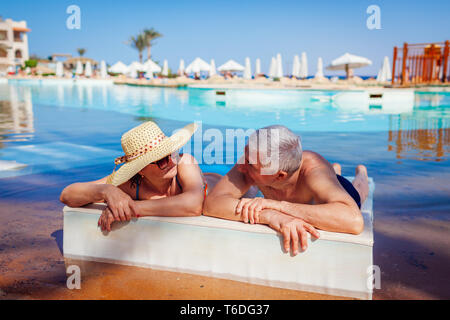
272, 68
231, 66
296, 66
59, 69
181, 68
88, 69
304, 66
151, 67
348, 61
258, 66
149, 74
79, 68
279, 69
385, 72
248, 69
118, 67
134, 68
165, 70
213, 68
103, 73
197, 66
11, 69
319, 73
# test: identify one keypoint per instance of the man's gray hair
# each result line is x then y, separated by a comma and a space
278, 147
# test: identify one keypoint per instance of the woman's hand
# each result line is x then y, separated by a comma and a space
120, 204
250, 208
292, 230
106, 219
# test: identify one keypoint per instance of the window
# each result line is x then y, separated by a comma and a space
3, 35
18, 54
17, 36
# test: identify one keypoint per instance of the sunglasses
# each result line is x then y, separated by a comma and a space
164, 162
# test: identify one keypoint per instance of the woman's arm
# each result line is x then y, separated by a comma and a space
188, 203
82, 193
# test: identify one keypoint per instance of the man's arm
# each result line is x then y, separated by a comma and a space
222, 200
335, 210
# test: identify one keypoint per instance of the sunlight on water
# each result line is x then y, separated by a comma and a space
419, 131
309, 110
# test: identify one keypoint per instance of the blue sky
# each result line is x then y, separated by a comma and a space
233, 29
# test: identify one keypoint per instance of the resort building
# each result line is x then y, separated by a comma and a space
13, 43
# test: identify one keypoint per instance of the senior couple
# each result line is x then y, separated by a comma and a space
302, 191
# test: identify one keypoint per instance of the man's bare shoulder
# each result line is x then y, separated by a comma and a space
313, 162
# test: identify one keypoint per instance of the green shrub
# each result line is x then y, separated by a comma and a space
32, 63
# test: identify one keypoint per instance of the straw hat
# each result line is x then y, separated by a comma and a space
145, 144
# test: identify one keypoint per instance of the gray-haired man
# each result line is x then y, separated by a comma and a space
302, 191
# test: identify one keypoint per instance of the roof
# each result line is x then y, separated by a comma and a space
21, 29
81, 59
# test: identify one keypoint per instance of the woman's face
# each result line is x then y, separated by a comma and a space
165, 168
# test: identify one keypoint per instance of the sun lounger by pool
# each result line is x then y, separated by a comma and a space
336, 264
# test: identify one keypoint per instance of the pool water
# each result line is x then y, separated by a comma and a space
305, 110
56, 134
51, 127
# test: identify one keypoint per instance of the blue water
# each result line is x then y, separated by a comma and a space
65, 133
71, 133
306, 110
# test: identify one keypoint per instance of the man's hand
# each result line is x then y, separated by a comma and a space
120, 204
250, 208
292, 230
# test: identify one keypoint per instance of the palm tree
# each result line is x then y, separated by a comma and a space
81, 51
150, 35
138, 43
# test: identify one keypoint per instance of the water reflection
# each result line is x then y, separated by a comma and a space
16, 115
419, 138
416, 131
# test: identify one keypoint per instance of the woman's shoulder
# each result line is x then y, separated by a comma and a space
189, 170
186, 158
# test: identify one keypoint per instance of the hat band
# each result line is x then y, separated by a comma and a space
142, 150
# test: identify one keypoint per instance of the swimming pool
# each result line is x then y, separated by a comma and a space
48, 125
68, 133
300, 110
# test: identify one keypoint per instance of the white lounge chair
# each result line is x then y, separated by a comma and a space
337, 264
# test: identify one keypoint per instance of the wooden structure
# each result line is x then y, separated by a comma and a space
72, 62
419, 138
422, 63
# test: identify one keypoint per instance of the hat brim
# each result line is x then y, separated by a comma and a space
166, 147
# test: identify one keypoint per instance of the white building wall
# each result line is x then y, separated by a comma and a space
8, 25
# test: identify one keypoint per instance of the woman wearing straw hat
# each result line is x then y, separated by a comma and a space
151, 170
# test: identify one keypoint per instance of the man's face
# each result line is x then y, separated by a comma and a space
254, 168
